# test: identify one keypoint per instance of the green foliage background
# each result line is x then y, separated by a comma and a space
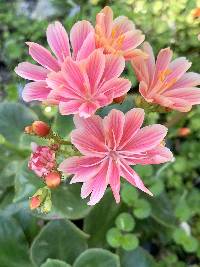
163, 231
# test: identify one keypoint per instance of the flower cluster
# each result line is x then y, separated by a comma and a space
84, 75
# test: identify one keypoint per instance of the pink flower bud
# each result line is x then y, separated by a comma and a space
53, 179
42, 160
40, 128
35, 202
184, 132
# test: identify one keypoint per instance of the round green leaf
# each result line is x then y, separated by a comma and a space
191, 244
142, 209
113, 237
55, 263
59, 239
14, 247
98, 258
13, 119
125, 222
129, 242
129, 194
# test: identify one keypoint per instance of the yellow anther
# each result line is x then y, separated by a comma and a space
163, 74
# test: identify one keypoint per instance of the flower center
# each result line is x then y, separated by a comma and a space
114, 155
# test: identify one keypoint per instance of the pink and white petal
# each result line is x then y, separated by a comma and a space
103, 100
162, 62
95, 67
88, 146
114, 66
189, 79
92, 126
104, 20
115, 87
35, 91
144, 90
140, 68
134, 53
132, 177
87, 109
78, 164
122, 25
178, 67
146, 138
132, 39
113, 127
87, 47
55, 80
113, 178
69, 107
191, 95
58, 40
78, 34
31, 72
43, 56
151, 59
133, 121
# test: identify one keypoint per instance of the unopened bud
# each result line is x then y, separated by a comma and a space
40, 128
184, 132
119, 100
53, 179
35, 202
28, 130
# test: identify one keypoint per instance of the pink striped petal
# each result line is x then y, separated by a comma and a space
58, 41
113, 128
178, 67
146, 138
132, 39
162, 63
151, 59
87, 146
132, 177
114, 66
31, 72
122, 25
35, 91
87, 47
43, 56
104, 20
140, 68
133, 121
87, 109
116, 87
189, 79
78, 34
92, 126
113, 176
69, 107
95, 67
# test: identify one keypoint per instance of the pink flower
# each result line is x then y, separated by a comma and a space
117, 36
166, 82
109, 146
42, 160
83, 87
82, 41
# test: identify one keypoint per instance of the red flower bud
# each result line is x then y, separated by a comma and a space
35, 202
184, 132
40, 128
120, 99
53, 179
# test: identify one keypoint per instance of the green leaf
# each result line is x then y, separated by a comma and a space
129, 194
125, 222
129, 242
63, 125
55, 263
136, 258
101, 217
97, 258
114, 237
142, 209
26, 183
14, 247
13, 119
67, 203
59, 239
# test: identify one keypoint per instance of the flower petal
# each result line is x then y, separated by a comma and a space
43, 56
133, 121
87, 109
189, 79
104, 21
31, 72
116, 87
69, 107
146, 138
114, 66
58, 41
132, 39
87, 47
113, 176
113, 128
122, 25
78, 34
35, 91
